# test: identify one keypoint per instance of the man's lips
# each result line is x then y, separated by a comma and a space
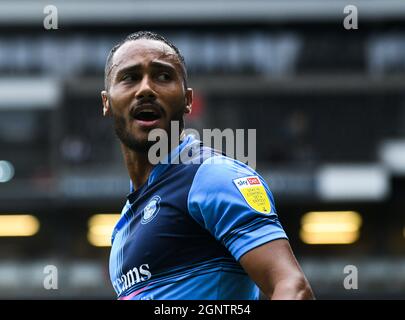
147, 114
147, 111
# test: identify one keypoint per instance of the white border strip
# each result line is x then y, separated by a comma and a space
352, 183
180, 11
29, 93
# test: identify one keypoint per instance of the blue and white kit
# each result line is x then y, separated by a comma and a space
180, 235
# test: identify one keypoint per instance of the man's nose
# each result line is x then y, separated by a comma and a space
145, 89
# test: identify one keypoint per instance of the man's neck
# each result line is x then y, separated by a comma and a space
138, 165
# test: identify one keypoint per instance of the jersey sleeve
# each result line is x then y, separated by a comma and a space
234, 204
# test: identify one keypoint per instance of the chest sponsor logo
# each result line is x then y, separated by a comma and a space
132, 277
151, 210
254, 193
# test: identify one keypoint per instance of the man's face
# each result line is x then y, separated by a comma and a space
146, 91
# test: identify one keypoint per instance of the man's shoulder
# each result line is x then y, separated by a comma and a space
223, 166
219, 173
209, 167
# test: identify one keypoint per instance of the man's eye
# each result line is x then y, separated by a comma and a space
129, 77
164, 76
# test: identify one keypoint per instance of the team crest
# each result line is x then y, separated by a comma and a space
151, 210
254, 193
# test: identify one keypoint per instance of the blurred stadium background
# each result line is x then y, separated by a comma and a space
328, 105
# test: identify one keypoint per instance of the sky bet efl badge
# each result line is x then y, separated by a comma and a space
254, 193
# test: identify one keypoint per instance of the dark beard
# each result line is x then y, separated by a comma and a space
136, 145
127, 139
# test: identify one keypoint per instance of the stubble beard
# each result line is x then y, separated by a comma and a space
140, 145
128, 139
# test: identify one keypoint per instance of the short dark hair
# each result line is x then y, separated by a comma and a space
143, 35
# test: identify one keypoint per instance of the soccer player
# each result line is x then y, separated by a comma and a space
200, 228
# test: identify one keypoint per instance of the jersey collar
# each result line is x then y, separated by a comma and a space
164, 165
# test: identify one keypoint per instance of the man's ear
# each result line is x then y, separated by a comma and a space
106, 103
189, 100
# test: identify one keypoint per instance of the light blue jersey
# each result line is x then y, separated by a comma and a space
182, 233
